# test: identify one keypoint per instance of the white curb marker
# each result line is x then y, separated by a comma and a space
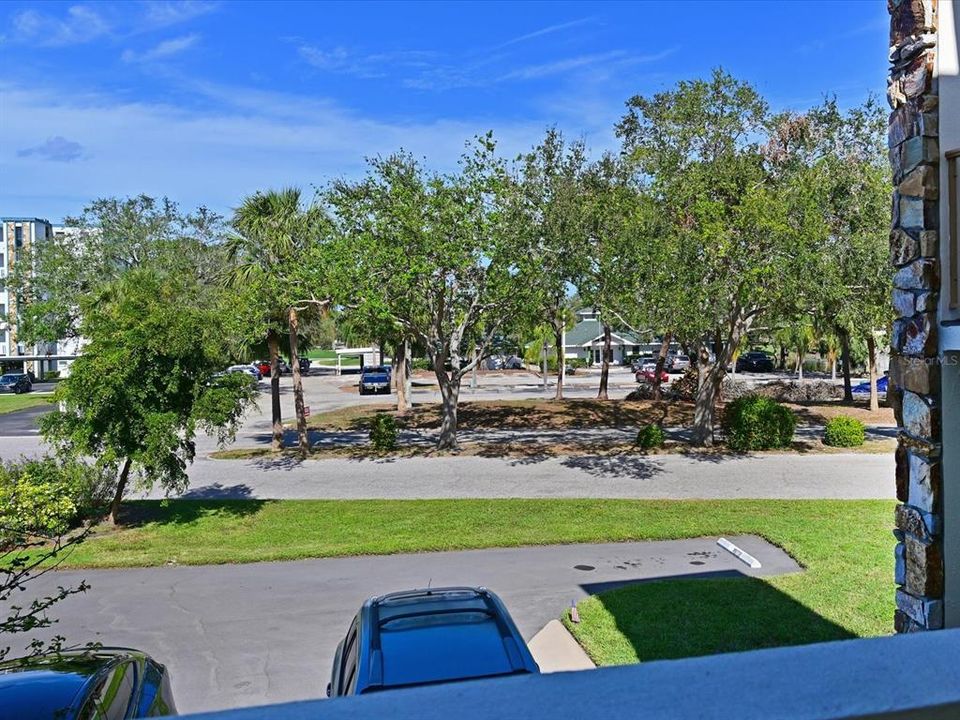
742, 554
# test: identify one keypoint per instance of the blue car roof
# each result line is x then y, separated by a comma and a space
52, 686
430, 636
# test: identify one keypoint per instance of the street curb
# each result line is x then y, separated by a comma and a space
555, 650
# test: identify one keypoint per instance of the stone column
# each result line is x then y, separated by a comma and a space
915, 367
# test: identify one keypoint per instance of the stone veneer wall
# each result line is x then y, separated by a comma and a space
915, 366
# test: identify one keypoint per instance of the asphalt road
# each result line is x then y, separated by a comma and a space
242, 635
22, 423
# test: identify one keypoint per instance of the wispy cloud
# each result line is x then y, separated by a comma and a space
57, 149
532, 72
163, 13
80, 25
163, 50
84, 23
481, 74
549, 30
363, 65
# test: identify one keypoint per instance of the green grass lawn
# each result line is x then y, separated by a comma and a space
846, 547
12, 403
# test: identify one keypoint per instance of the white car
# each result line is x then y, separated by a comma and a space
253, 372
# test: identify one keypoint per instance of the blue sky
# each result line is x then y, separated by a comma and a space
208, 101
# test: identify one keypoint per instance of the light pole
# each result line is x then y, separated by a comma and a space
545, 347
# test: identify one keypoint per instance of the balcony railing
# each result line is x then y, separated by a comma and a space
915, 677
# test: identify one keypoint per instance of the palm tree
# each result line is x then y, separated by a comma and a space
272, 251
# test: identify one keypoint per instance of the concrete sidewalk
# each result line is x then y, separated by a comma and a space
555, 650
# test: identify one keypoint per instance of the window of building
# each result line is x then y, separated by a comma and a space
18, 236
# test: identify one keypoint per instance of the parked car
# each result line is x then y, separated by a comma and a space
648, 374
513, 363
638, 363
495, 362
305, 364
679, 363
864, 387
754, 361
374, 380
250, 370
85, 685
424, 637
15, 383
264, 367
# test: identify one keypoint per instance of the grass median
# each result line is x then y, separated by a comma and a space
13, 403
845, 547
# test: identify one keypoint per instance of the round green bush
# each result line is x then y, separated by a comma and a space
650, 436
844, 431
754, 422
420, 364
383, 432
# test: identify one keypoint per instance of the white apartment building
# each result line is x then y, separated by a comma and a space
18, 235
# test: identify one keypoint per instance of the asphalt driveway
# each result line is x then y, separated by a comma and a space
242, 635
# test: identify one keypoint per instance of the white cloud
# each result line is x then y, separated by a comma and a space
550, 29
163, 50
372, 65
85, 23
254, 140
161, 13
81, 25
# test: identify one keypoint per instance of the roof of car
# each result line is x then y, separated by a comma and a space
427, 636
54, 685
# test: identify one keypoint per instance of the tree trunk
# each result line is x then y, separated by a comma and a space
708, 381
450, 394
401, 376
561, 361
872, 359
605, 367
273, 343
799, 365
121, 488
661, 362
783, 356
832, 359
845, 365
303, 444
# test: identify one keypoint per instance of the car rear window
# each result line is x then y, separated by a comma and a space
436, 648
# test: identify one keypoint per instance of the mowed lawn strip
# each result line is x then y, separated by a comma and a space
845, 545
13, 403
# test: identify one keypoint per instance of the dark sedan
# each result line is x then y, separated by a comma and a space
79, 685
754, 362
15, 383
423, 637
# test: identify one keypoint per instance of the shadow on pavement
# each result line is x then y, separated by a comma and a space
690, 615
638, 467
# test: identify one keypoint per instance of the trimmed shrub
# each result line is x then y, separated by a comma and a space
844, 431
754, 422
576, 363
650, 436
790, 391
420, 364
383, 432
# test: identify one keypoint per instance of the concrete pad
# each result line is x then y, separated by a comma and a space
555, 650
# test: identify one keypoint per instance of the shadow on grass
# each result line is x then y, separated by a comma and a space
711, 613
137, 513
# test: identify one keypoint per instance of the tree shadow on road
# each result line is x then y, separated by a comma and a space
615, 465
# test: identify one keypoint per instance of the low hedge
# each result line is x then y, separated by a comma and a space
754, 422
844, 431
